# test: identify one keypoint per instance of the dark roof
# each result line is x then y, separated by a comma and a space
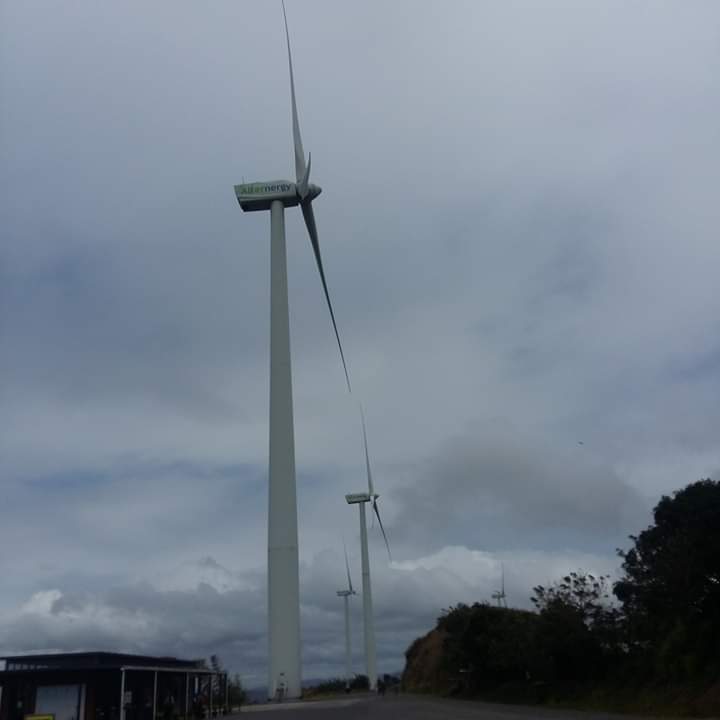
99, 660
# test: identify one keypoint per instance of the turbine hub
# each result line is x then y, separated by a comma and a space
313, 192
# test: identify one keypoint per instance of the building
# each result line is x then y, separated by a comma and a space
109, 686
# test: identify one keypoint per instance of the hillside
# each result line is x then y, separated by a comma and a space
438, 663
425, 668
478, 650
649, 642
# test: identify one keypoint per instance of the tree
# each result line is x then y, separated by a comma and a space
486, 647
674, 567
360, 682
670, 590
236, 693
586, 594
578, 627
217, 668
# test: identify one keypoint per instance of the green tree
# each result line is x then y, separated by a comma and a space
217, 680
236, 693
578, 628
670, 590
486, 648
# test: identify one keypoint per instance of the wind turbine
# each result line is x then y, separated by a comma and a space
345, 595
500, 595
361, 499
284, 669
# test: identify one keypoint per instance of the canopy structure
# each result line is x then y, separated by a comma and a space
109, 686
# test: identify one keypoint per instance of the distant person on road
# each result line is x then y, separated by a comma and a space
281, 688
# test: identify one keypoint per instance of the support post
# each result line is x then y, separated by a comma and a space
367, 604
283, 573
154, 715
187, 695
122, 693
211, 678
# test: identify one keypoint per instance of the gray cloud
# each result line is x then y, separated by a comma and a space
496, 489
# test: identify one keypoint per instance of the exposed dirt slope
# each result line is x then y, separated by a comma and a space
424, 671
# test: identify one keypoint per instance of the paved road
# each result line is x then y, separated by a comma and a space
412, 708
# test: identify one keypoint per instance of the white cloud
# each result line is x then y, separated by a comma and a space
41, 603
203, 608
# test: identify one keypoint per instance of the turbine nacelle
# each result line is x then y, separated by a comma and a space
355, 498
261, 195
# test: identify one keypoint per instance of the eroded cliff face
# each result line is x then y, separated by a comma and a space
424, 668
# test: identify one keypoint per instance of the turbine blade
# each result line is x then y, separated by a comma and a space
371, 488
382, 529
347, 567
300, 170
304, 184
309, 216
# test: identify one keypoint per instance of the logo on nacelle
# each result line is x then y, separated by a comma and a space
264, 189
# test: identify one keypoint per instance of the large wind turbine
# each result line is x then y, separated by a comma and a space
500, 595
284, 671
345, 595
361, 499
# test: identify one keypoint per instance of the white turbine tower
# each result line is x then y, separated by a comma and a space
361, 499
500, 595
284, 670
345, 595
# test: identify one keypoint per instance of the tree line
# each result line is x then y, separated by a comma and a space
653, 632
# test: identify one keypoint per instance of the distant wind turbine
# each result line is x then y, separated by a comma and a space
500, 595
284, 668
345, 595
361, 499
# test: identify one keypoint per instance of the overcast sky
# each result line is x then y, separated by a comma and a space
519, 224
